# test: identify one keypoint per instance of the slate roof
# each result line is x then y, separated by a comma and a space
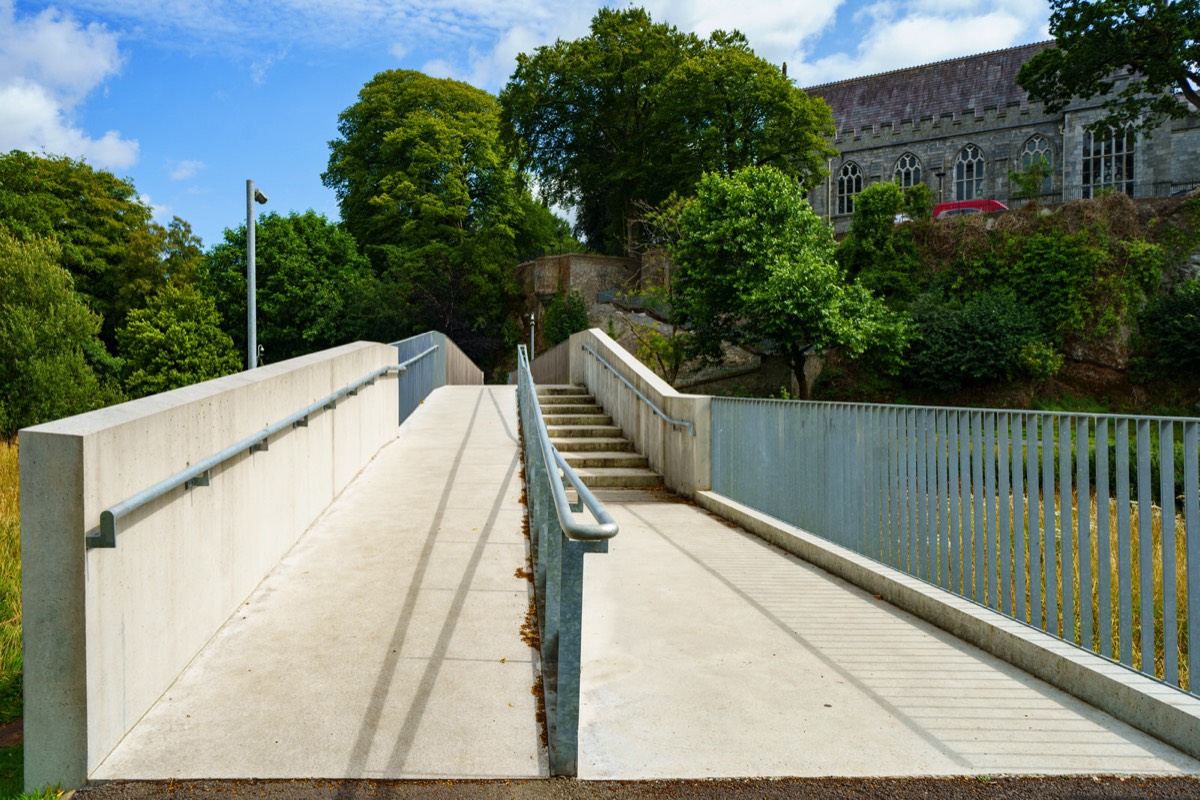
959, 86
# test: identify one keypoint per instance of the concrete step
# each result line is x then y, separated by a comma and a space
583, 431
552, 390
626, 460
618, 478
571, 408
555, 400
584, 444
576, 419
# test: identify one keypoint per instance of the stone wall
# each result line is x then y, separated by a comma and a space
997, 119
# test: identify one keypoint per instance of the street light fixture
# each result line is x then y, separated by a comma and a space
252, 196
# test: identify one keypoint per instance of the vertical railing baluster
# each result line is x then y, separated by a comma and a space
944, 501
1083, 490
991, 562
1145, 554
978, 524
952, 494
1124, 537
931, 505
1191, 523
1049, 527
920, 507
1104, 610
1066, 530
1033, 482
1004, 535
912, 494
1019, 538
1166, 494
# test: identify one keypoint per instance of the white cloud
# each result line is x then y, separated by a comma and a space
895, 35
185, 169
477, 40
48, 64
160, 213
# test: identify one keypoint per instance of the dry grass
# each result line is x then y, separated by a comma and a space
1111, 615
10, 584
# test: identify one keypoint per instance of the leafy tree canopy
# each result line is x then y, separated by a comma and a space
48, 338
878, 250
755, 263
1155, 42
175, 340
429, 192
313, 284
106, 236
637, 110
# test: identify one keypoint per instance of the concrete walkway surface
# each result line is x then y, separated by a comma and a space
709, 653
387, 642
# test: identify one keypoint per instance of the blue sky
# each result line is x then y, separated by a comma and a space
189, 98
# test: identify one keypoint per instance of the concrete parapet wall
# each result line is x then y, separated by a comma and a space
106, 631
460, 370
683, 460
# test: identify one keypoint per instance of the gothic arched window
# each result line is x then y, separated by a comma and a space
850, 183
908, 171
968, 174
1036, 149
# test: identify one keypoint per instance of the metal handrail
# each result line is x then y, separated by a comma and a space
605, 526
678, 423
198, 474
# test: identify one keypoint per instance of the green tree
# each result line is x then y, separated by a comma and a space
315, 290
48, 338
877, 251
431, 196
566, 313
108, 240
636, 110
175, 340
755, 263
1150, 47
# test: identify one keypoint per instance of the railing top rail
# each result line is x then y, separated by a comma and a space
106, 535
605, 526
678, 423
956, 409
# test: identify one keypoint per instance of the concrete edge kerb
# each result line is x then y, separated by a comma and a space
1159, 710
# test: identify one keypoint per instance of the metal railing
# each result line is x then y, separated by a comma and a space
557, 544
445, 365
199, 473
1084, 526
678, 423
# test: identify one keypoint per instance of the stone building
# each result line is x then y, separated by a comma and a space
961, 126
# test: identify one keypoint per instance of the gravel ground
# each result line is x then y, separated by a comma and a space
979, 788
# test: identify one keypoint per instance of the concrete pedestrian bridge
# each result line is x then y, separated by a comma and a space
349, 591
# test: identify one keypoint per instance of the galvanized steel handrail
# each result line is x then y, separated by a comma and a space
678, 423
605, 526
198, 473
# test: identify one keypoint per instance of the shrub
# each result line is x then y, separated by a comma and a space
976, 342
565, 314
1170, 330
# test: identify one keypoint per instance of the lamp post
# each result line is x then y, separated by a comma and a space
252, 196
939, 176
531, 323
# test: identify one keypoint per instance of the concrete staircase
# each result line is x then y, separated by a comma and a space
590, 442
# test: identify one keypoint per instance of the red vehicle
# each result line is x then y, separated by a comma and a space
962, 207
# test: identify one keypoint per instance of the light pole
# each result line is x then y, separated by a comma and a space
252, 196
531, 336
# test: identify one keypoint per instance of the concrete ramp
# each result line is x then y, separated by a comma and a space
709, 653
387, 643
